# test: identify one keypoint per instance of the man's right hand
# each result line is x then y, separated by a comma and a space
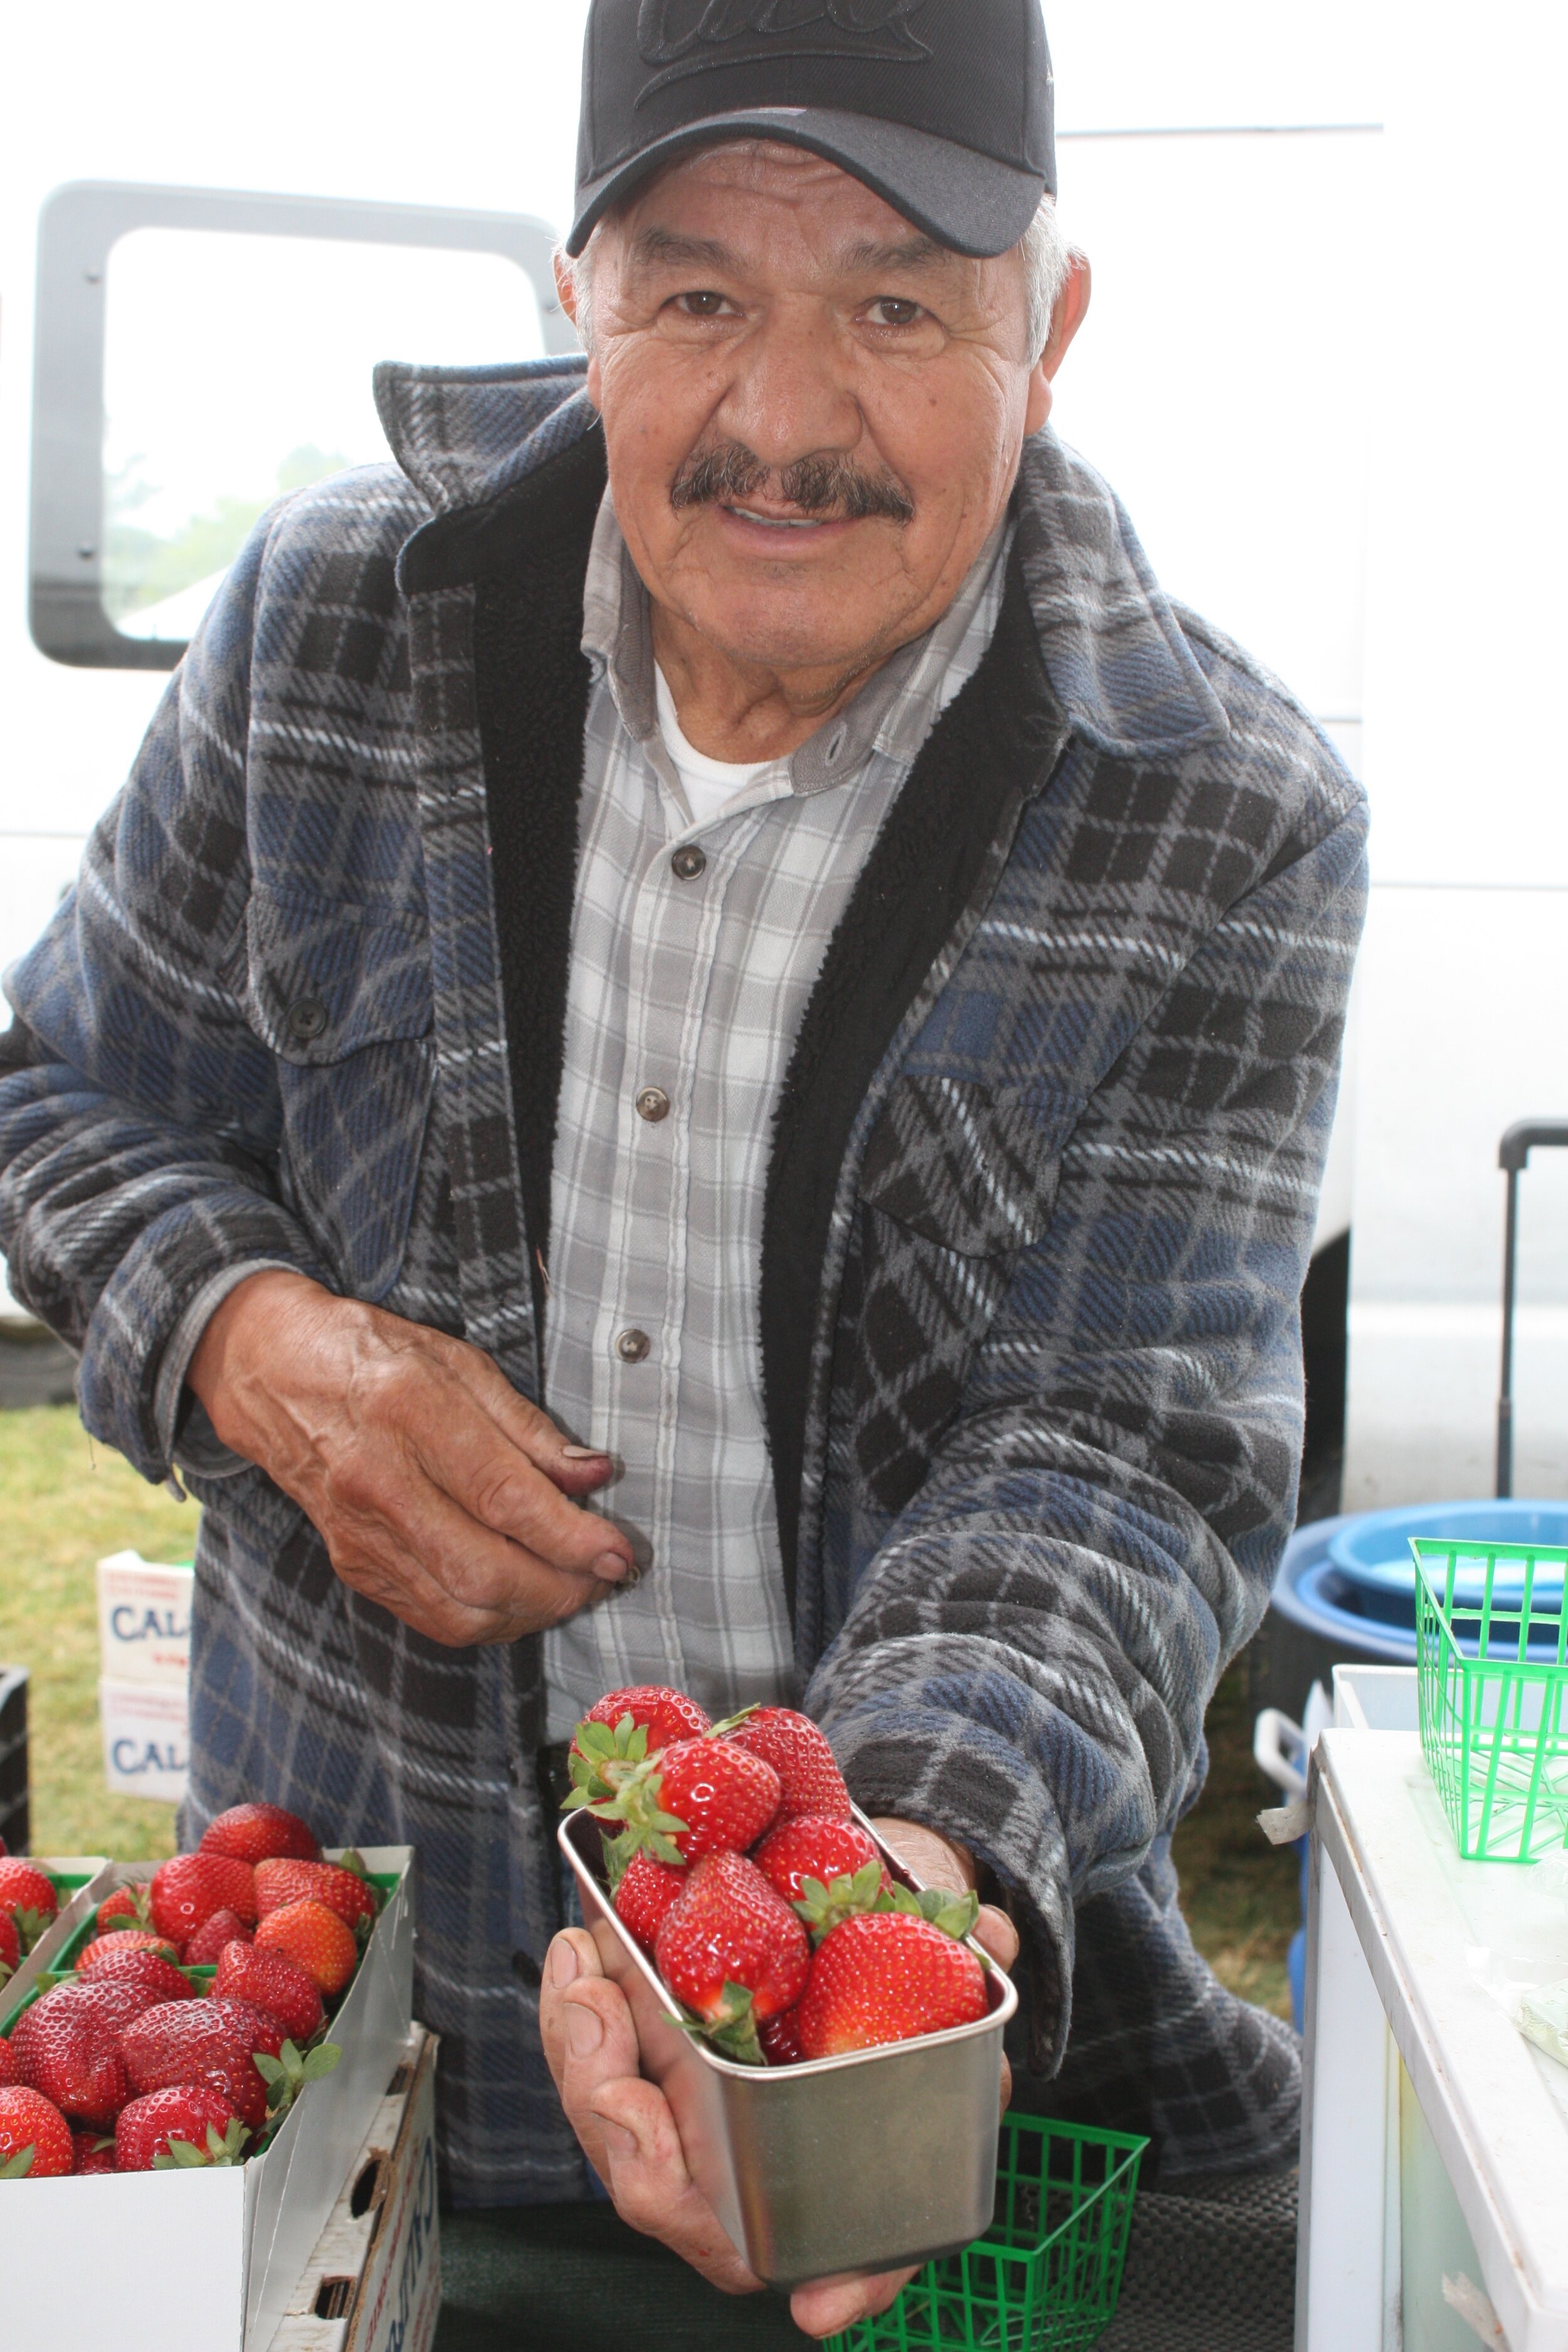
438, 1491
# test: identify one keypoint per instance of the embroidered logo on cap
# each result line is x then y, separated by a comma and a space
692, 37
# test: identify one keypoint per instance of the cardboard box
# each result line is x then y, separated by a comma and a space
143, 1621
374, 2282
146, 1739
236, 2239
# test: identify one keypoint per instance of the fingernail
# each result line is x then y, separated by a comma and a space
617, 2139
584, 2030
563, 1967
583, 1454
615, 1568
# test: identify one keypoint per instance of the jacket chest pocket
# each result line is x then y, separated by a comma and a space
956, 1179
342, 997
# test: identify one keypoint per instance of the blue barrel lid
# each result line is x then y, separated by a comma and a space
1353, 1580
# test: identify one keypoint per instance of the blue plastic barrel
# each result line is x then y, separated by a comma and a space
1351, 1582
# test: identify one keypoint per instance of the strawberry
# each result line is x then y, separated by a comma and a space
648, 1891
780, 2038
28, 1893
212, 1936
7, 2065
733, 1950
342, 1890
66, 2048
35, 2137
275, 1984
625, 1726
789, 1741
196, 2116
256, 1833
202, 2041
827, 1869
150, 1972
128, 1907
887, 1976
94, 2151
10, 1946
116, 1943
194, 1885
315, 1939
702, 1796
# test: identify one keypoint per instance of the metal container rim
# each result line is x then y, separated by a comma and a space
780, 2077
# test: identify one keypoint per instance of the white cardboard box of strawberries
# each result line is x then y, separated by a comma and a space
184, 2085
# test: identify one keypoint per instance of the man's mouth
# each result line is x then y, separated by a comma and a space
780, 522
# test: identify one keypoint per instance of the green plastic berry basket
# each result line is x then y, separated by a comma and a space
1491, 1637
1046, 2275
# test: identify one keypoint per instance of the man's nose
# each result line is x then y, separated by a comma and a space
789, 396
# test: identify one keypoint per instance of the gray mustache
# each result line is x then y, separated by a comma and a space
831, 486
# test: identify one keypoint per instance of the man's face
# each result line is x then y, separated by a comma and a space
813, 414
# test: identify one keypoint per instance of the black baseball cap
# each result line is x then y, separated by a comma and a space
942, 107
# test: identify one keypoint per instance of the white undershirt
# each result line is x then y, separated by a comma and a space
708, 783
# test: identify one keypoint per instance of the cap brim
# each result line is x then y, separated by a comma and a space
968, 202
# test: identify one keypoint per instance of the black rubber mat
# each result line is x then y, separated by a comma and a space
1211, 2270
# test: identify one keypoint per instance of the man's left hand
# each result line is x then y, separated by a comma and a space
629, 2132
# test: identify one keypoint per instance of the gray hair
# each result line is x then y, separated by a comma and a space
1046, 251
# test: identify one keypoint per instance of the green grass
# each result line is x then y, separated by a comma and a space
64, 1503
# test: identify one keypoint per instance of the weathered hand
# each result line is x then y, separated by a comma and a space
438, 1491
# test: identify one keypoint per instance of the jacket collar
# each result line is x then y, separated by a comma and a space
1113, 649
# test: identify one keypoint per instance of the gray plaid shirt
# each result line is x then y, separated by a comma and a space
685, 993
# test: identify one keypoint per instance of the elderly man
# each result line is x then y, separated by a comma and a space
699, 1052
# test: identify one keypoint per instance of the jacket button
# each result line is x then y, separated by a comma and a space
653, 1104
306, 1018
631, 1347
687, 862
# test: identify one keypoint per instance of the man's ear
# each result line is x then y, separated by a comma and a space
566, 289
1066, 318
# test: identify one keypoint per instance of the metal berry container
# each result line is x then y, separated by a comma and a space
869, 2162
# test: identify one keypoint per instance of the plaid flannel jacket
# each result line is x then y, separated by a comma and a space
1040, 1203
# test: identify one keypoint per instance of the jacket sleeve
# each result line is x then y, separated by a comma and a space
1027, 1660
139, 1113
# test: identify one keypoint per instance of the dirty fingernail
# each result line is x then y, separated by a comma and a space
615, 1568
563, 1964
583, 1454
584, 2030
617, 2139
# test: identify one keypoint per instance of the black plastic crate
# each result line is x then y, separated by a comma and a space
15, 1826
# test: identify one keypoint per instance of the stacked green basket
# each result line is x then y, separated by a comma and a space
1491, 1635
1046, 2275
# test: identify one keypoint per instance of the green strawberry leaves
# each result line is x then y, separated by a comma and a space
824, 1908
596, 1747
221, 2148
18, 2167
287, 2075
733, 2033
31, 1925
955, 1913
731, 1723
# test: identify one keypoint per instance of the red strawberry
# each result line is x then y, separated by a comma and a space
150, 1972
199, 2117
702, 1796
624, 1728
278, 1882
780, 2038
275, 1984
7, 2065
194, 1885
315, 1939
10, 1946
35, 2137
212, 1936
202, 2041
94, 2151
887, 1976
256, 1833
28, 1893
789, 1741
116, 1943
648, 1891
67, 2049
128, 1907
829, 1854
733, 1950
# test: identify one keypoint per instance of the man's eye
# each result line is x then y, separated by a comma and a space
701, 306
891, 310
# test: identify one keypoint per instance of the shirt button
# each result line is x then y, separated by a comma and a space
653, 1104
687, 862
631, 1347
306, 1018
